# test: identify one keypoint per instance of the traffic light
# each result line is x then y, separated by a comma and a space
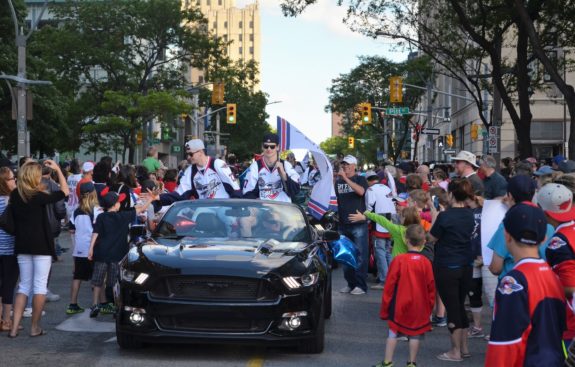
365, 110
395, 89
231, 113
449, 140
218, 94
139, 137
474, 131
350, 142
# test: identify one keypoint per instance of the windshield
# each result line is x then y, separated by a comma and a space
234, 219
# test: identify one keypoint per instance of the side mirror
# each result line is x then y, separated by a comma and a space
330, 236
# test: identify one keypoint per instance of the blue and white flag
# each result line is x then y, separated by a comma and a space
322, 196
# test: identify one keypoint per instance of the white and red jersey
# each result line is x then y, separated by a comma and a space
214, 181
266, 184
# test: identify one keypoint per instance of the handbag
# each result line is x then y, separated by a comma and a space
7, 223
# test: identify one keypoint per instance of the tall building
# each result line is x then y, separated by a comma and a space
240, 26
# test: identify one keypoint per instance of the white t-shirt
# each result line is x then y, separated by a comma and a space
73, 200
378, 199
84, 228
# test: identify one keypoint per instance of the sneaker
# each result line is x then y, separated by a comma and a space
384, 364
475, 332
94, 311
411, 364
52, 297
107, 308
345, 290
357, 291
486, 338
402, 338
377, 286
28, 312
439, 321
73, 309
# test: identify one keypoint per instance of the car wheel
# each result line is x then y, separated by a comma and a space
327, 301
317, 343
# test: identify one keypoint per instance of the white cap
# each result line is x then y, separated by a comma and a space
369, 174
87, 167
349, 159
466, 156
194, 145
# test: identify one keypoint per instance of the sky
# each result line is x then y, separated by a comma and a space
300, 57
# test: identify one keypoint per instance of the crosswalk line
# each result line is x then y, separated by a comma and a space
83, 323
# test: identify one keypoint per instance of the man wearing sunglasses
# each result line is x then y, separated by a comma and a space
270, 178
206, 177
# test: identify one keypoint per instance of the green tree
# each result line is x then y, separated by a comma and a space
118, 57
336, 145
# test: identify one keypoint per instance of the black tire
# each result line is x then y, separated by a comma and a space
328, 301
317, 343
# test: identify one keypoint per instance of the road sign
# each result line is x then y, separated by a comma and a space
492, 130
428, 131
176, 148
492, 143
397, 111
449, 151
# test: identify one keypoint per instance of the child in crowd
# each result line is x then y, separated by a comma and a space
81, 226
529, 316
109, 242
420, 199
408, 297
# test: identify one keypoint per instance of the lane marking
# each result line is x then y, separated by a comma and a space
83, 323
257, 361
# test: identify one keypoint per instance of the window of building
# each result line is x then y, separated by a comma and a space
241, 24
220, 2
199, 2
225, 24
241, 50
215, 25
251, 50
225, 37
241, 37
209, 2
251, 24
251, 37
200, 79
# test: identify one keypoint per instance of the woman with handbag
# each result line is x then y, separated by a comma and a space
8, 263
34, 241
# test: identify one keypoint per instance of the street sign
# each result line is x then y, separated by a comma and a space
493, 130
492, 143
428, 131
397, 111
176, 148
449, 151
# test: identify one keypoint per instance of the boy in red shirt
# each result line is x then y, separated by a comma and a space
529, 312
408, 296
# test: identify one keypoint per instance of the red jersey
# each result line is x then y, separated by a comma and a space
560, 254
409, 294
529, 318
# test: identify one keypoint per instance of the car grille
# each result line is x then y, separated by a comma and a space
214, 289
180, 323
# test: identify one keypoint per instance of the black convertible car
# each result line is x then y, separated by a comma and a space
227, 271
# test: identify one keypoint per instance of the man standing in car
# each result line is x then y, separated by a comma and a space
350, 190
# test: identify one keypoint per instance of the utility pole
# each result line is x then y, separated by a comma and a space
429, 117
218, 135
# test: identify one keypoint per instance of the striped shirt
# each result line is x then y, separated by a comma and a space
6, 240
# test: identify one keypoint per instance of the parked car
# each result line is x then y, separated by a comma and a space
227, 271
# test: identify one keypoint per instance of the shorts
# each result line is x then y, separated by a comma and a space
105, 271
83, 268
393, 335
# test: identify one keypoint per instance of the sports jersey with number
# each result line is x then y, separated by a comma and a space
266, 184
214, 181
529, 318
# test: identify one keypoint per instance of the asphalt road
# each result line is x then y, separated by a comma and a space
355, 336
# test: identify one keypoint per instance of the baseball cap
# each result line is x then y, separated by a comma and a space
271, 138
521, 188
194, 145
526, 223
110, 198
531, 160
406, 167
556, 201
349, 159
370, 174
466, 156
558, 159
543, 171
87, 167
87, 187
566, 166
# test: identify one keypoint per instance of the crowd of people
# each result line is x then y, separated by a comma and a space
419, 225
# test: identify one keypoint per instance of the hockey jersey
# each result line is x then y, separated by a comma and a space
266, 184
409, 294
214, 181
529, 318
560, 254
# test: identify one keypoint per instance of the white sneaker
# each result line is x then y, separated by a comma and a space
28, 312
357, 291
377, 286
345, 290
52, 297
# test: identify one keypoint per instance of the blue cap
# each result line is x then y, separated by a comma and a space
526, 223
544, 170
521, 188
558, 159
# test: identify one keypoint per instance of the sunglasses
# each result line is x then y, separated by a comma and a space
270, 146
191, 154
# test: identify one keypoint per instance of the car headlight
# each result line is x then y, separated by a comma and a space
133, 277
303, 281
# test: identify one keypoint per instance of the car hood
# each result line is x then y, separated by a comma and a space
232, 257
